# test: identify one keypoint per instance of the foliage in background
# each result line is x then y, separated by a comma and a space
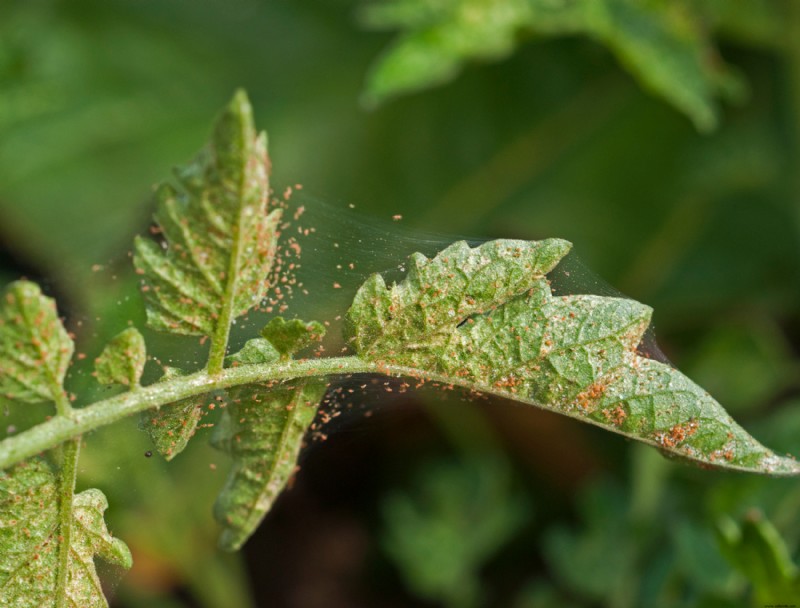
668, 46
98, 97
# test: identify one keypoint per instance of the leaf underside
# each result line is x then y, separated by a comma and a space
122, 360
288, 337
219, 242
665, 44
262, 429
29, 541
172, 426
35, 349
485, 318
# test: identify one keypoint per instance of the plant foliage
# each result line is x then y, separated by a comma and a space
30, 537
665, 44
35, 349
483, 318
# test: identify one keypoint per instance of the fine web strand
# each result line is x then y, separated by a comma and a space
339, 248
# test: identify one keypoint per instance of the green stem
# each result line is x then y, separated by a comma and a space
63, 406
219, 346
59, 429
69, 470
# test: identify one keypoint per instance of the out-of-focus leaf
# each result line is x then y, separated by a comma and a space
759, 22
699, 559
449, 524
440, 37
485, 318
219, 240
600, 561
29, 541
35, 349
263, 430
744, 364
665, 45
172, 426
122, 360
539, 594
757, 550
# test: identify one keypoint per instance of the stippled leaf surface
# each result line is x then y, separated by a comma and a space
257, 350
29, 541
485, 318
172, 426
288, 337
35, 349
219, 241
122, 360
263, 430
665, 44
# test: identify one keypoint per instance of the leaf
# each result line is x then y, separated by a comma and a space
288, 337
757, 550
263, 430
219, 242
29, 541
441, 36
600, 560
664, 44
456, 517
122, 360
35, 349
485, 318
257, 350
172, 426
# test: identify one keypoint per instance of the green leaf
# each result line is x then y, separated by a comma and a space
122, 360
257, 350
288, 337
485, 318
263, 429
172, 426
598, 561
29, 541
441, 36
219, 241
663, 43
757, 550
454, 519
35, 349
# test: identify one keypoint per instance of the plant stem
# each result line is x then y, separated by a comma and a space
60, 429
63, 406
66, 492
219, 346
82, 420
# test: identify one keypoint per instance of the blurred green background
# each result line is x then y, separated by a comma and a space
662, 138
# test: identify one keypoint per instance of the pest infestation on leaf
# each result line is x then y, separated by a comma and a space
482, 318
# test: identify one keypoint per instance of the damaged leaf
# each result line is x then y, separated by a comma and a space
122, 360
485, 318
35, 349
263, 430
29, 541
219, 239
172, 426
